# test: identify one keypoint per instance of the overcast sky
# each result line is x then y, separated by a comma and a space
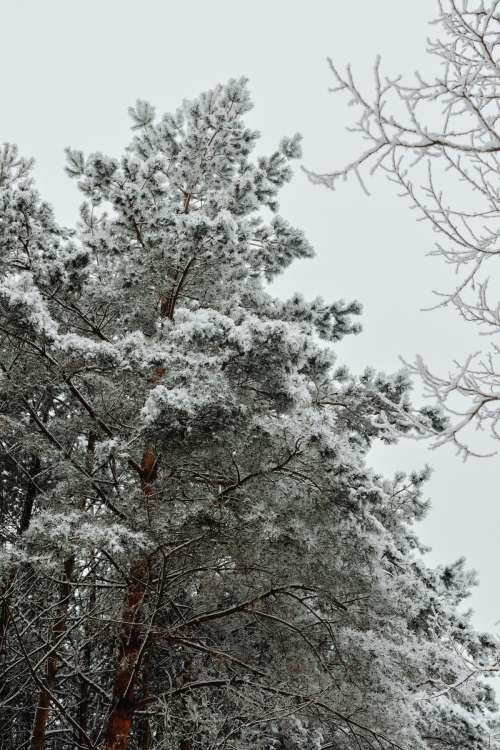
71, 69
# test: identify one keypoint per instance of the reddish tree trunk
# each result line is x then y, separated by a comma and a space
124, 699
131, 638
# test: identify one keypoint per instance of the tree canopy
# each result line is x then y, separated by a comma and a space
194, 552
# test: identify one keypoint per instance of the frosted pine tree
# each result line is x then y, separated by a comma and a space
194, 552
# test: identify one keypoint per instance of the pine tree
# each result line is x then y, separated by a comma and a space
194, 551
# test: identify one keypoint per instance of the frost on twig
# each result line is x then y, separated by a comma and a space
438, 140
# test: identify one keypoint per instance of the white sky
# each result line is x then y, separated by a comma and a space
71, 69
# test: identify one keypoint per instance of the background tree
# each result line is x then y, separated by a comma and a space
438, 140
194, 552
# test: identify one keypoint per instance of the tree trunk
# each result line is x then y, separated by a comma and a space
42, 710
145, 737
124, 700
131, 639
85, 696
30, 496
43, 706
24, 522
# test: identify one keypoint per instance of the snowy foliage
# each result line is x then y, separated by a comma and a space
194, 552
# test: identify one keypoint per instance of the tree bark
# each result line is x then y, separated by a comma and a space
145, 732
85, 695
24, 522
30, 496
131, 641
43, 706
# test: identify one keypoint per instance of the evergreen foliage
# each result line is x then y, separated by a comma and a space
194, 552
